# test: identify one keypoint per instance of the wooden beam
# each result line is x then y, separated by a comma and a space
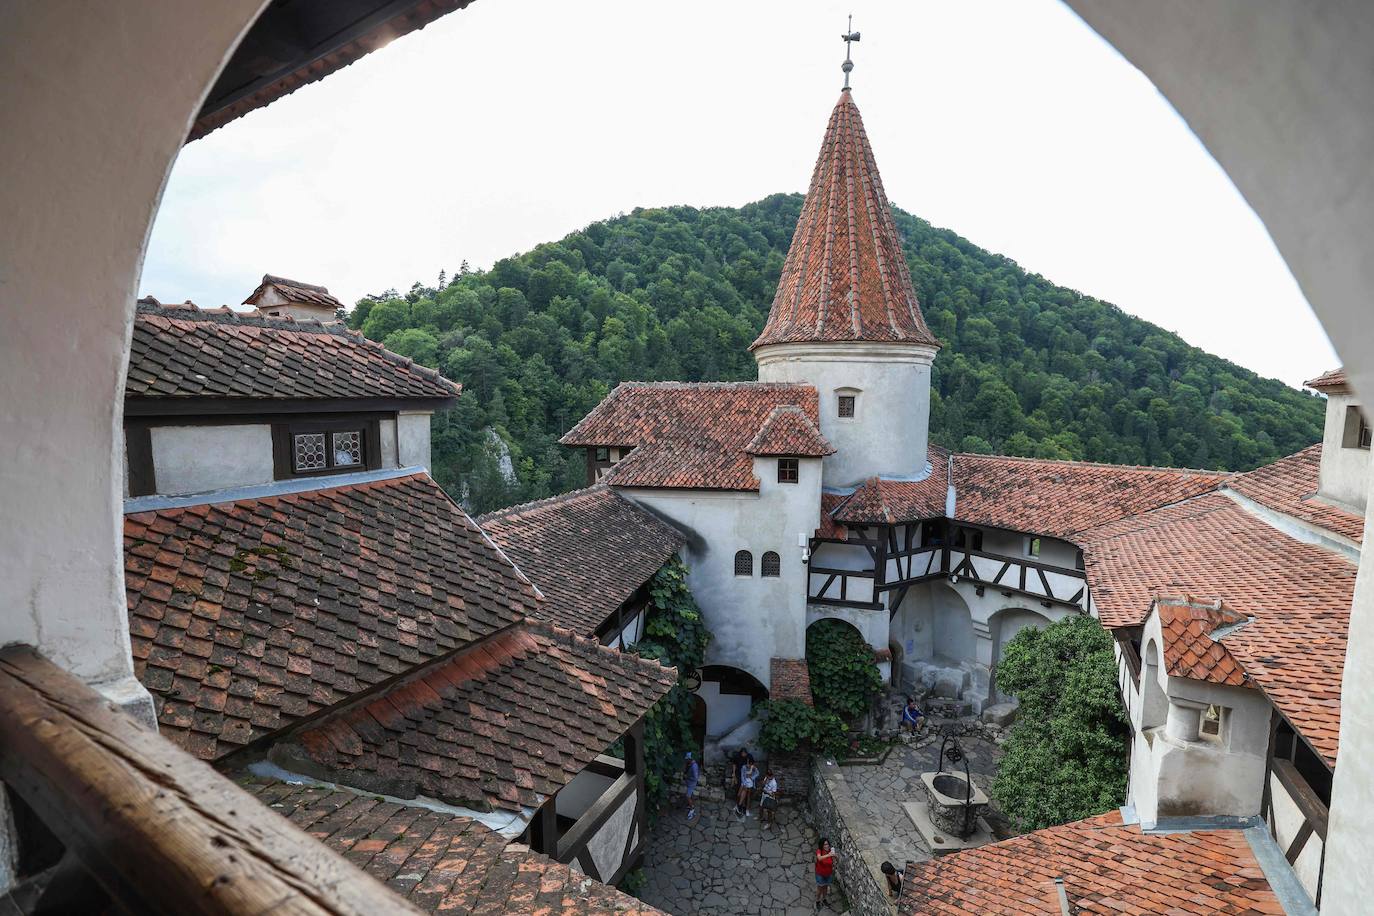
160, 831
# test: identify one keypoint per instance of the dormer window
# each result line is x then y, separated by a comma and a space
845, 407
1357, 431
789, 470
328, 450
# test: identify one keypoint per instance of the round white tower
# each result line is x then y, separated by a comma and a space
845, 318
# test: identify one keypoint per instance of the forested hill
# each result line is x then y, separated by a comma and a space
1028, 368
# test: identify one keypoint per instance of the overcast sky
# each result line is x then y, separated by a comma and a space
516, 122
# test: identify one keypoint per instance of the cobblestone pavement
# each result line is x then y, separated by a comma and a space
717, 865
874, 794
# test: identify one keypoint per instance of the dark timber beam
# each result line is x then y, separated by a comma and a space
158, 830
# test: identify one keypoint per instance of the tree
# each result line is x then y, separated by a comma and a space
1065, 757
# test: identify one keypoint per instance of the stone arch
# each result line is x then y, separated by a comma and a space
729, 693
1003, 627
951, 627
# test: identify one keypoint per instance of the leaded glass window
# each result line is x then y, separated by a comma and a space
309, 452
348, 449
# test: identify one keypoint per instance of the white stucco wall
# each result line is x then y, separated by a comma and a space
1287, 821
196, 459
752, 618
887, 435
95, 101
386, 429
1171, 777
724, 711
412, 438
1344, 471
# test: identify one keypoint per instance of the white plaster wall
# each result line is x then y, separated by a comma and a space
412, 438
724, 711
1287, 821
887, 435
872, 625
1174, 778
608, 843
386, 429
753, 619
1053, 552
1343, 470
196, 459
95, 100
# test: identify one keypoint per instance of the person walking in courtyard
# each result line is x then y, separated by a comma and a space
691, 772
768, 806
737, 760
748, 778
825, 872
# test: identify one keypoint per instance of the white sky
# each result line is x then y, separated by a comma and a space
516, 122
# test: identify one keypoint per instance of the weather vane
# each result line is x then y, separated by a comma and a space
849, 37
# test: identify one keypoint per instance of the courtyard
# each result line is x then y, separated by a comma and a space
717, 864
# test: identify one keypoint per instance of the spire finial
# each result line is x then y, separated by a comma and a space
850, 36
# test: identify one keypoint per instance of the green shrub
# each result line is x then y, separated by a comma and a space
791, 725
844, 677
1065, 758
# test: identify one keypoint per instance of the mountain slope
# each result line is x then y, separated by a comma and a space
1028, 368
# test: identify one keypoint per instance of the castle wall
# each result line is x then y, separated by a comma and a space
1344, 469
196, 459
887, 436
753, 619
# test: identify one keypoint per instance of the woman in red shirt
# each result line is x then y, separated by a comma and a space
825, 871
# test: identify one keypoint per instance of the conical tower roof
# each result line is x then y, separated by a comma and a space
845, 278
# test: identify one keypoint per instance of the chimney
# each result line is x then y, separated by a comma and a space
278, 297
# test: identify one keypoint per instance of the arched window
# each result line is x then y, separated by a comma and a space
744, 563
771, 565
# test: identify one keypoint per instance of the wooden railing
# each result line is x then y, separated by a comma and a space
147, 825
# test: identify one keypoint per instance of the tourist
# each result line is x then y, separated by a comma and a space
738, 759
825, 871
691, 772
894, 879
748, 776
768, 807
912, 717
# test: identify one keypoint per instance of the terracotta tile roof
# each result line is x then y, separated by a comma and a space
247, 616
1332, 378
294, 291
443, 863
1059, 498
829, 528
1189, 649
790, 679
1299, 595
887, 502
789, 431
587, 551
1289, 485
505, 724
1107, 868
845, 277
186, 352
690, 435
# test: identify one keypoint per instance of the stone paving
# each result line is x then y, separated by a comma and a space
717, 865
871, 796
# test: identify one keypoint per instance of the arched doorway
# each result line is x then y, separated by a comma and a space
1004, 625
951, 628
726, 696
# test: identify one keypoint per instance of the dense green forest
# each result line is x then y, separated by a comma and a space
1028, 368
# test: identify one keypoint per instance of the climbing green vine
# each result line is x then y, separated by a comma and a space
844, 677
676, 635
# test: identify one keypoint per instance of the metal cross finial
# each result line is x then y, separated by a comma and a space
849, 37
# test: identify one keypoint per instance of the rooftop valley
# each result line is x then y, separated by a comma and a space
1028, 368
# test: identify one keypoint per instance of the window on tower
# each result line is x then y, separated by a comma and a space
846, 405
744, 563
770, 567
789, 470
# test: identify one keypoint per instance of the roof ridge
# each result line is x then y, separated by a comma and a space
738, 383
562, 634
521, 508
1100, 464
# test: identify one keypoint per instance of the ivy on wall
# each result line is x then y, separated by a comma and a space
844, 677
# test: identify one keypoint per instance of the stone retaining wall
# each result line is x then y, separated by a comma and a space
832, 804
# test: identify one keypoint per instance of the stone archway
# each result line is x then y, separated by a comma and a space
1003, 626
951, 630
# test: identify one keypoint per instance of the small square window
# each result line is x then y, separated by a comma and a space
789, 470
846, 405
1357, 432
309, 452
603, 454
1032, 547
1213, 721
